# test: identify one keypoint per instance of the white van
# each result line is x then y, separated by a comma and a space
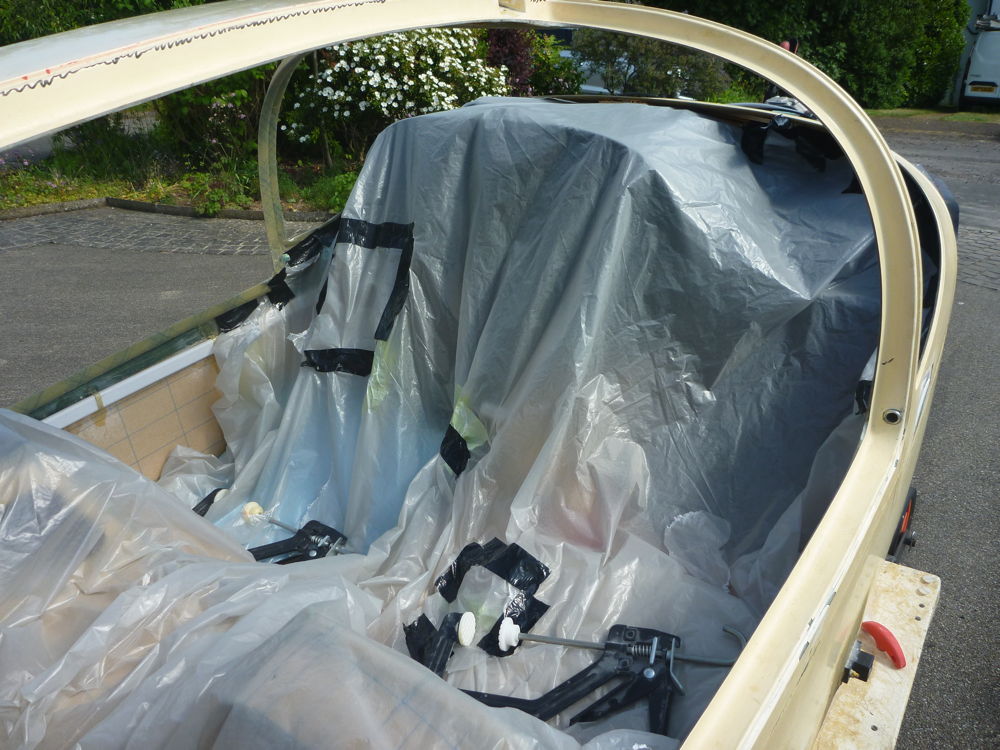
982, 74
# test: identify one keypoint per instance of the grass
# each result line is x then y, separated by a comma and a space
974, 117
35, 186
302, 190
974, 114
104, 158
739, 92
900, 112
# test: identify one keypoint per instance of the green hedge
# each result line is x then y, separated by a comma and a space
886, 53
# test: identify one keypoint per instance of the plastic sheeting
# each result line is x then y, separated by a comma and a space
600, 333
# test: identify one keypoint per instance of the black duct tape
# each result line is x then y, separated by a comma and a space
351, 361
207, 502
525, 610
400, 288
508, 561
322, 297
854, 188
455, 451
355, 232
235, 317
313, 245
418, 633
752, 141
279, 294
863, 396
432, 646
812, 145
370, 236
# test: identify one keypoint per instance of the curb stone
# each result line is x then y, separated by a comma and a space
120, 229
51, 208
154, 208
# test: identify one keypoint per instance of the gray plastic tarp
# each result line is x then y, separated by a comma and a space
598, 332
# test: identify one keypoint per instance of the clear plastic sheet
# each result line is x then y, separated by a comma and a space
646, 348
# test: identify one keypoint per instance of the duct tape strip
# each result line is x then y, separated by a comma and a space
854, 188
812, 145
279, 293
234, 318
313, 245
455, 451
508, 561
401, 287
418, 633
352, 361
863, 396
432, 646
322, 296
389, 235
371, 236
207, 502
525, 610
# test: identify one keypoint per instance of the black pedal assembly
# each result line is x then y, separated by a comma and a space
641, 658
312, 541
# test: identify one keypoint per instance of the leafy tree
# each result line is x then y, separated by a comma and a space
534, 61
511, 49
215, 123
938, 51
554, 72
886, 53
642, 66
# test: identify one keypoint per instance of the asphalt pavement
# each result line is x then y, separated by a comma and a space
81, 285
956, 698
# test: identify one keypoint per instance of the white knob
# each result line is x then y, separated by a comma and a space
467, 629
252, 512
509, 635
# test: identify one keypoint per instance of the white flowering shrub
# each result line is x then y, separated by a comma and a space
359, 88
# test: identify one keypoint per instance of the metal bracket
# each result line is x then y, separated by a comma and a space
859, 664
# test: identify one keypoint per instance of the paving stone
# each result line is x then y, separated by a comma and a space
119, 229
979, 257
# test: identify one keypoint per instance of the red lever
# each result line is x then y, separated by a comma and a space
886, 642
